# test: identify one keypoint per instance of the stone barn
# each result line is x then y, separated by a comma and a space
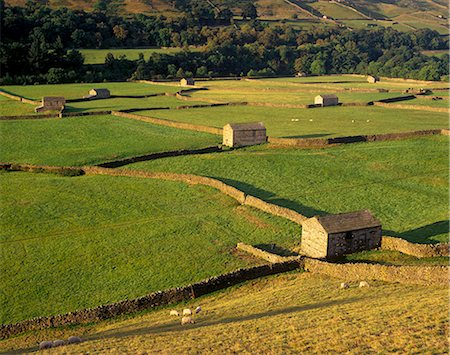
326, 100
335, 235
187, 82
51, 103
99, 94
371, 79
244, 134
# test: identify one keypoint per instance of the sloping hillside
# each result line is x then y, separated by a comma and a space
290, 313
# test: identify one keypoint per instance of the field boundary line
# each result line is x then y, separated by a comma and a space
412, 107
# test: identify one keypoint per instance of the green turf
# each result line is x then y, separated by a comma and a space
404, 183
71, 243
9, 107
318, 122
75, 91
127, 103
335, 10
90, 140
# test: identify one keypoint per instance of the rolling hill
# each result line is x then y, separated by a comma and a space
404, 15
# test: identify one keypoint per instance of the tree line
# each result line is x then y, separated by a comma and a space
40, 45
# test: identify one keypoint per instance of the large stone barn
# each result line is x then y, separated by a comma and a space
326, 100
99, 94
244, 134
51, 103
371, 79
187, 82
335, 235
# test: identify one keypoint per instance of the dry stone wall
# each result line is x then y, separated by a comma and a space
417, 250
156, 299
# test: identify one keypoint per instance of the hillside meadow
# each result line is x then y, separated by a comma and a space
76, 91
395, 180
312, 123
91, 140
69, 243
289, 313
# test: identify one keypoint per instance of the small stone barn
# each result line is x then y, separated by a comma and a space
187, 82
99, 94
244, 134
372, 79
51, 103
326, 100
335, 235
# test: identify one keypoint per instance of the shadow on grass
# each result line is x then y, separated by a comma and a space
422, 234
270, 197
276, 249
202, 323
315, 135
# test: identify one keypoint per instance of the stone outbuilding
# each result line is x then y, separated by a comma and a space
371, 79
99, 94
187, 82
244, 134
51, 103
326, 100
336, 235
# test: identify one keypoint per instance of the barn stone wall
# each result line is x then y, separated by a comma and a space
342, 243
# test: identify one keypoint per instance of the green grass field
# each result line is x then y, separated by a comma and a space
91, 140
335, 10
404, 183
75, 91
97, 56
310, 123
72, 243
290, 313
10, 107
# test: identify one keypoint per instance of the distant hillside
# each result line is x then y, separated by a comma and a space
403, 15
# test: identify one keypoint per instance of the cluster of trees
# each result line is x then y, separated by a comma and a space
39, 45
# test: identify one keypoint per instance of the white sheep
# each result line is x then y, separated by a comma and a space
198, 309
311, 120
344, 285
368, 121
187, 320
363, 284
45, 345
58, 342
187, 312
73, 340
353, 121
174, 313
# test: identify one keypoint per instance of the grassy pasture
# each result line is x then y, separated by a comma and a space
10, 107
126, 103
326, 122
75, 91
71, 243
91, 140
97, 56
290, 313
335, 10
405, 183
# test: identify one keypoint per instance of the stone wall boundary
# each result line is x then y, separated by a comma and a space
152, 300
412, 107
405, 274
29, 117
262, 254
414, 249
169, 123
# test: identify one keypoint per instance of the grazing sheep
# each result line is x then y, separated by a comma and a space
174, 313
45, 345
311, 120
187, 320
344, 285
198, 309
187, 312
73, 340
368, 121
363, 284
353, 121
58, 342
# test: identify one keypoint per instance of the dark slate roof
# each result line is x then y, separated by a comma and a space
345, 222
329, 96
105, 91
251, 126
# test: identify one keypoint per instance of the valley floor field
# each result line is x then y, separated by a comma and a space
73, 243
291, 313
